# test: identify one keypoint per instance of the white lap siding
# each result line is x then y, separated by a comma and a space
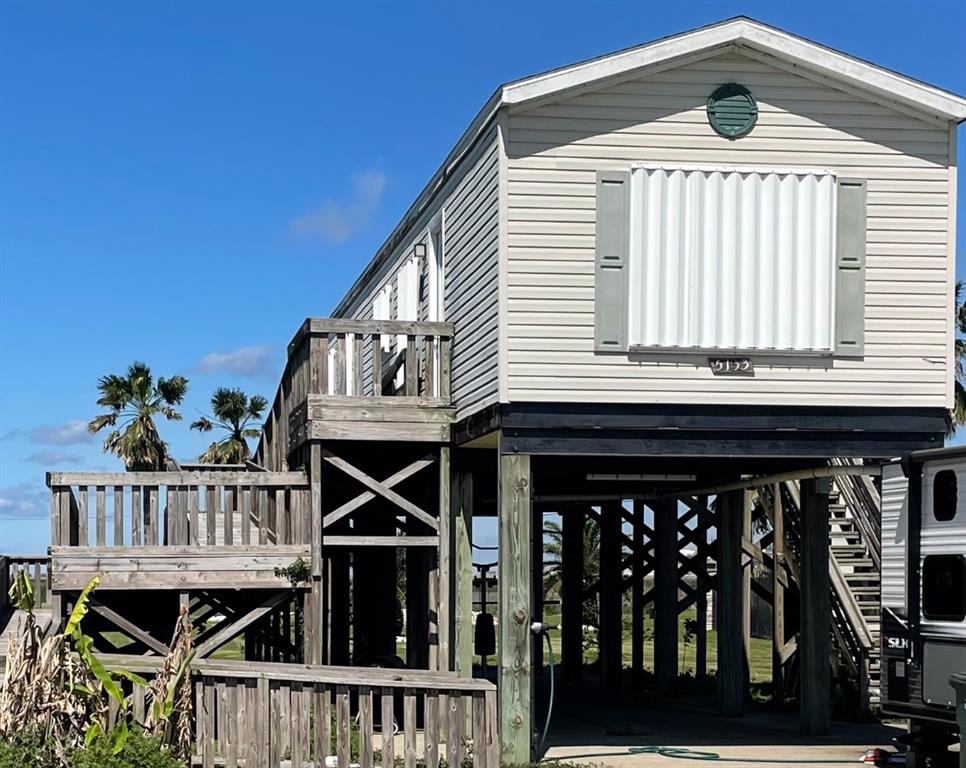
555, 150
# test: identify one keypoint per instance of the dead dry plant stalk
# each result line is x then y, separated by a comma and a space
57, 687
169, 715
45, 688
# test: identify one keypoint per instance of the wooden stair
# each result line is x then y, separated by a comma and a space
854, 545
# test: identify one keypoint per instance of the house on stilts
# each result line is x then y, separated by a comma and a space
691, 292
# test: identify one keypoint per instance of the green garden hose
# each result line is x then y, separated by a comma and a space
682, 753
546, 722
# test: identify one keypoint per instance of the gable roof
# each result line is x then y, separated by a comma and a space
738, 32
742, 32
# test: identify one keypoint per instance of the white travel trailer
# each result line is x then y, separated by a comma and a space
924, 586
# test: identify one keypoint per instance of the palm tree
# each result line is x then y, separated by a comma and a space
134, 401
958, 416
553, 575
233, 412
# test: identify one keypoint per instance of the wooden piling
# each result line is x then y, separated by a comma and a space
610, 596
666, 594
514, 589
815, 608
731, 657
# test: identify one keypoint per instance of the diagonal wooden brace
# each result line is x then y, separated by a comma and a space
234, 629
382, 489
367, 496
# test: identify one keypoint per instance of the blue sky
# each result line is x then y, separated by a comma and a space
184, 182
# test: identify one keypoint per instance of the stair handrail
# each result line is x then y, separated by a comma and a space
859, 502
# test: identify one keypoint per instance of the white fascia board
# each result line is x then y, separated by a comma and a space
796, 50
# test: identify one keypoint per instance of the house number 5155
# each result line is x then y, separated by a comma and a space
731, 366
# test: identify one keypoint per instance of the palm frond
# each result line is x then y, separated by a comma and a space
98, 423
256, 406
204, 424
173, 390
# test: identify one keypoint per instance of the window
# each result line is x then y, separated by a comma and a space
729, 260
726, 259
944, 495
944, 587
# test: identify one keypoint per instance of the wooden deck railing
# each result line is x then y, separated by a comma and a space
258, 714
144, 509
358, 361
37, 568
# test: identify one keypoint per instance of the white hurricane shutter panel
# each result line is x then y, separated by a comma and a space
732, 260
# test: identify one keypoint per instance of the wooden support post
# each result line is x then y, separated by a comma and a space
748, 567
731, 657
665, 594
637, 598
701, 602
815, 608
445, 573
611, 625
463, 576
417, 607
313, 617
572, 589
778, 594
514, 588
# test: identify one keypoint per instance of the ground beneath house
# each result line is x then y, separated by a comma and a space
600, 728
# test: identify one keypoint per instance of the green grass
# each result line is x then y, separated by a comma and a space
760, 660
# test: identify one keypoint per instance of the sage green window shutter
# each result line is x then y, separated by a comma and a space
610, 279
850, 269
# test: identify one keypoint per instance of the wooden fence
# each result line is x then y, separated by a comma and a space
143, 509
258, 714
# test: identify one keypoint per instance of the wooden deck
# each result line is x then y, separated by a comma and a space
374, 380
177, 530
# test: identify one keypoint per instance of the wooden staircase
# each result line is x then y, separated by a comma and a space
854, 573
854, 542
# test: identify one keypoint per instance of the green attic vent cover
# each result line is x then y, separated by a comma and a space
732, 111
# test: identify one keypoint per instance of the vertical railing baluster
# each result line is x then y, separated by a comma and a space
387, 716
229, 518
153, 510
136, 539
375, 342
429, 377
82, 538
342, 724
244, 494
365, 727
211, 514
339, 365
412, 366
118, 515
409, 728
281, 518
431, 728
100, 522
444, 368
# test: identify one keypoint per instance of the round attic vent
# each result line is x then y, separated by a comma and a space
732, 111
